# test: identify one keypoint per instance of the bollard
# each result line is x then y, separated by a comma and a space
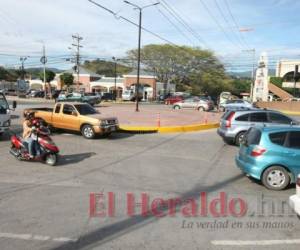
158, 120
205, 118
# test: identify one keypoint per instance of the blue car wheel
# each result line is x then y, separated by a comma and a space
276, 178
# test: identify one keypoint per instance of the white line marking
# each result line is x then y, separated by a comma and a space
254, 242
64, 239
35, 237
16, 236
41, 237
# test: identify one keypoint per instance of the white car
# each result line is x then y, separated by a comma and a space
295, 199
128, 95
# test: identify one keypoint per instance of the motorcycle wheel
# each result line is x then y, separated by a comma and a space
51, 159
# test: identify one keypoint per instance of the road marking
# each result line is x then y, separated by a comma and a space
35, 237
254, 242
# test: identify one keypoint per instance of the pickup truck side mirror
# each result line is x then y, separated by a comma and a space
14, 105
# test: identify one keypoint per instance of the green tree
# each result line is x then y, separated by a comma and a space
102, 67
50, 75
66, 79
192, 69
240, 85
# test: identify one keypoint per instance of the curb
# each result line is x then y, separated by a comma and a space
171, 129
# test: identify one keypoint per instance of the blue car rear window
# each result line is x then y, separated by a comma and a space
253, 136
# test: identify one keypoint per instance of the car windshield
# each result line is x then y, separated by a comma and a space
3, 103
85, 109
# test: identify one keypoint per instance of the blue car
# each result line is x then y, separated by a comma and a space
271, 155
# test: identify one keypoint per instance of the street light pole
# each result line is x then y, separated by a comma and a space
136, 7
115, 92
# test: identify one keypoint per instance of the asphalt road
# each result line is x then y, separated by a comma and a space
43, 207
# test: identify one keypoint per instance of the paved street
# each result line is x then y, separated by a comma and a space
45, 207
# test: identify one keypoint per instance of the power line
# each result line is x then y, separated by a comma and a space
171, 10
133, 23
227, 21
217, 23
235, 23
173, 24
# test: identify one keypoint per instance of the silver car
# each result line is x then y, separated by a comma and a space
195, 103
236, 104
234, 123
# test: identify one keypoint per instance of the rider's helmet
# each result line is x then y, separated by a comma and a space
28, 115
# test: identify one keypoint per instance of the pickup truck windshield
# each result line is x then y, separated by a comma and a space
3, 104
85, 109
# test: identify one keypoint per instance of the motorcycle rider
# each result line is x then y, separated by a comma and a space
29, 134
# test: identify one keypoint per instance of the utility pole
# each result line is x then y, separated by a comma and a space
21, 82
23, 59
44, 61
115, 64
77, 39
296, 78
140, 9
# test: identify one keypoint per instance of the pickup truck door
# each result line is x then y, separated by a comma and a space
56, 116
69, 118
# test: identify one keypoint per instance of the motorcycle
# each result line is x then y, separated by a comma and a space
48, 150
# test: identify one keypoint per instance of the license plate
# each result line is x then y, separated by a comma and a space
113, 129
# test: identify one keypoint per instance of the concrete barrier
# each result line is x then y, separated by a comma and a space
292, 108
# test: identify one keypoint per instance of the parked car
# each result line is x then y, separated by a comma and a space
173, 99
79, 97
128, 95
235, 104
80, 117
107, 97
234, 123
295, 199
39, 94
194, 103
56, 93
271, 155
11, 92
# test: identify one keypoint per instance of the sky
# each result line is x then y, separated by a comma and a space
230, 28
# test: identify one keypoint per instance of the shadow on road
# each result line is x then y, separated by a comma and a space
75, 158
110, 232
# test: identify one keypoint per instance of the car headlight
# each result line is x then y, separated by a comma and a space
103, 123
6, 124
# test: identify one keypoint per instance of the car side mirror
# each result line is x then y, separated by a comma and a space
14, 105
74, 113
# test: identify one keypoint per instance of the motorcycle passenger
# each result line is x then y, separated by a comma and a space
29, 135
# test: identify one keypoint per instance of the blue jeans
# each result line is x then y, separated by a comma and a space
33, 147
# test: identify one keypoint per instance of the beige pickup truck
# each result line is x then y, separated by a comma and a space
79, 117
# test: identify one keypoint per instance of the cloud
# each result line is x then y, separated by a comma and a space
24, 24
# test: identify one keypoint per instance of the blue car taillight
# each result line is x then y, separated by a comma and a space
258, 151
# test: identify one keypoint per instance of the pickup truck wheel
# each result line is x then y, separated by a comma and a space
88, 132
